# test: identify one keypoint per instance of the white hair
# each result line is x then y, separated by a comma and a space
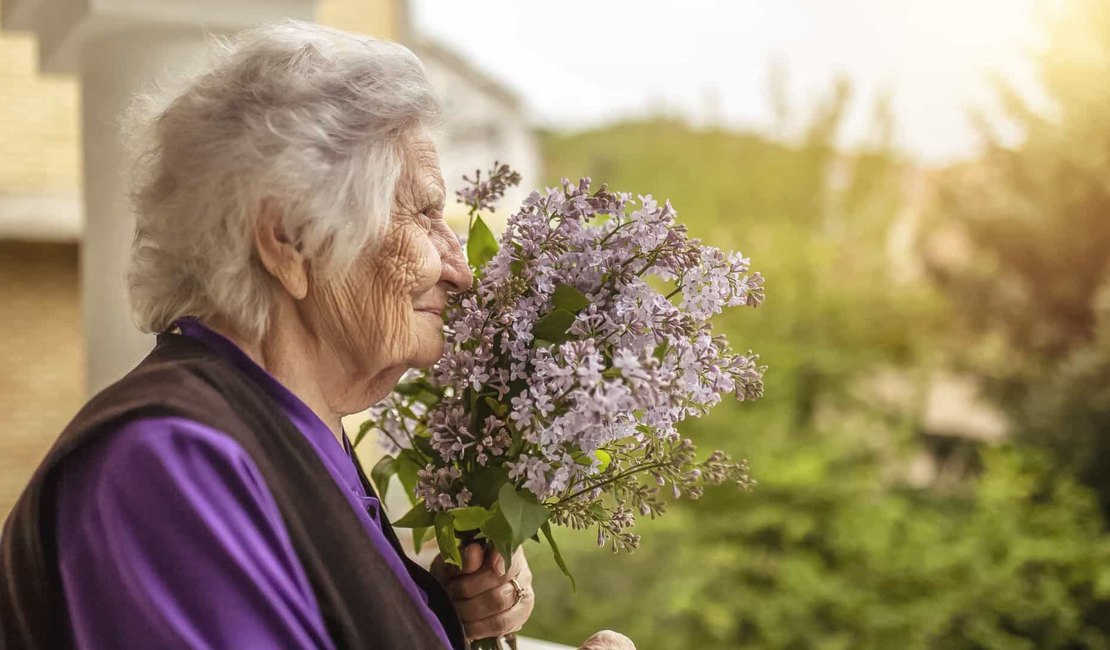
309, 117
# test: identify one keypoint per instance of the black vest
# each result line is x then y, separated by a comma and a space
362, 601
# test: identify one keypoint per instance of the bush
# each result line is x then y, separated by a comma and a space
822, 555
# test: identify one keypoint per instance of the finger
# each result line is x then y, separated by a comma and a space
498, 562
471, 584
499, 599
503, 623
495, 561
442, 570
472, 558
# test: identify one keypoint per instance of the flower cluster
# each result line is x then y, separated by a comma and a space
585, 341
482, 195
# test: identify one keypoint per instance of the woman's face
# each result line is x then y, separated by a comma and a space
385, 313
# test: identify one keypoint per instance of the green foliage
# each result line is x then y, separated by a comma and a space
826, 557
1037, 217
830, 550
445, 537
523, 512
470, 518
553, 327
383, 470
407, 464
568, 298
481, 245
418, 517
557, 555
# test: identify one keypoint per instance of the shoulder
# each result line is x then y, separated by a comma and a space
148, 463
162, 441
167, 535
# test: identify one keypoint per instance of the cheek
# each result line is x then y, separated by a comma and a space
411, 264
369, 310
402, 273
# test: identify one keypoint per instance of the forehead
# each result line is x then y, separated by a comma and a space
422, 164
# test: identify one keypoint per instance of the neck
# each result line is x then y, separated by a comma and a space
309, 367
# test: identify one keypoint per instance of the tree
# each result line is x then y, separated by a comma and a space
1037, 218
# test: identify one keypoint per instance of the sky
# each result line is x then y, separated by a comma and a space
582, 63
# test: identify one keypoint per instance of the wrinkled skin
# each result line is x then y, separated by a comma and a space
483, 592
340, 343
382, 317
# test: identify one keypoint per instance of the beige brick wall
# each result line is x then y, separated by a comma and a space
39, 150
41, 356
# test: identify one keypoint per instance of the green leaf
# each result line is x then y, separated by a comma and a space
497, 530
605, 458
423, 444
407, 465
484, 483
481, 245
363, 429
523, 512
418, 517
383, 470
418, 535
408, 388
419, 390
506, 551
553, 327
516, 267
546, 528
498, 408
568, 298
445, 535
660, 351
470, 518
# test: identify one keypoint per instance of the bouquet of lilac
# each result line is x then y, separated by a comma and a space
566, 371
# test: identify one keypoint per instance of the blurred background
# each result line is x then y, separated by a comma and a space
925, 185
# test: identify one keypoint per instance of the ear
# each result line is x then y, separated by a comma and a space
280, 254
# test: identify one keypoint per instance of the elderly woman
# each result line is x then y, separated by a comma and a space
291, 253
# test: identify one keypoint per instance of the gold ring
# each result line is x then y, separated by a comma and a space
520, 593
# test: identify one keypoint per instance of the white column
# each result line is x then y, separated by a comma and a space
119, 48
115, 67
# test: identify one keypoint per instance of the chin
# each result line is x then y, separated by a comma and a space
427, 355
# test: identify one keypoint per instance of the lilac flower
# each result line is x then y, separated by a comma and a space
567, 368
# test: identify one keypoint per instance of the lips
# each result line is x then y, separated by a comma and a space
438, 311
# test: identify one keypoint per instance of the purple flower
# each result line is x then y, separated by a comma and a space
610, 381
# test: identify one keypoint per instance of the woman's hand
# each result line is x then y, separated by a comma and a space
484, 594
607, 640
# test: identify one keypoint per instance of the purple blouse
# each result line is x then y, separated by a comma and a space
168, 536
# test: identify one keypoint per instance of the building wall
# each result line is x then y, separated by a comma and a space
39, 122
41, 355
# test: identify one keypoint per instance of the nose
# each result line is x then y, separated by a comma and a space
456, 271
